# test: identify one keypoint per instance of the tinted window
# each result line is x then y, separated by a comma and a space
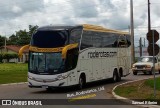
96, 39
104, 39
50, 39
109, 40
86, 39
75, 36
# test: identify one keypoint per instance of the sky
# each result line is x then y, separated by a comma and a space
114, 14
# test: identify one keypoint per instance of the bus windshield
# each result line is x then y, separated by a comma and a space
46, 63
50, 39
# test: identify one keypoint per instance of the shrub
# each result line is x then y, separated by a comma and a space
8, 56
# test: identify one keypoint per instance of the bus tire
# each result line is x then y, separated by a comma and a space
120, 74
81, 82
115, 76
119, 77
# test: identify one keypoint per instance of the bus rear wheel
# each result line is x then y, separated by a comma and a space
115, 76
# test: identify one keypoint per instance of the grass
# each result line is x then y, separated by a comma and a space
13, 73
124, 91
139, 90
150, 83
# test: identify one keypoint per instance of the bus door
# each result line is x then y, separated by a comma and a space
122, 53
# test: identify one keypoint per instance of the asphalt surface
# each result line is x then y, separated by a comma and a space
22, 91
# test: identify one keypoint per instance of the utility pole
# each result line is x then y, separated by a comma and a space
132, 32
149, 19
140, 46
5, 43
129, 29
153, 43
144, 43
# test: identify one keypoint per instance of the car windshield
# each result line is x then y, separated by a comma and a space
146, 59
46, 63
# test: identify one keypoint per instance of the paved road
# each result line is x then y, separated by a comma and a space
22, 91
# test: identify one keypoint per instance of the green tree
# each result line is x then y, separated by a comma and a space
1, 58
32, 29
12, 40
2, 41
23, 37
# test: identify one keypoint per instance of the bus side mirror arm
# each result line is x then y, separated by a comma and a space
22, 49
68, 47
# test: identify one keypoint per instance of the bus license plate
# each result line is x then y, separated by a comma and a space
44, 86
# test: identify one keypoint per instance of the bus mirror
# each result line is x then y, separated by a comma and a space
66, 48
22, 49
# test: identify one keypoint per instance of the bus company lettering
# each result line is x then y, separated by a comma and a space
101, 54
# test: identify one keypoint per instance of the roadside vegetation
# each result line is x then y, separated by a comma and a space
139, 90
13, 73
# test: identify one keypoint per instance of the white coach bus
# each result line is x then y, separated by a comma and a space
61, 56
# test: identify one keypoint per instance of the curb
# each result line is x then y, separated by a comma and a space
14, 84
129, 100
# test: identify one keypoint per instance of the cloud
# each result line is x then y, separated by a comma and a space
115, 14
85, 8
15, 8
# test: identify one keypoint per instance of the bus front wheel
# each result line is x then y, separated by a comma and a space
81, 82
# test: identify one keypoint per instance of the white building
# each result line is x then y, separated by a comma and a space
14, 49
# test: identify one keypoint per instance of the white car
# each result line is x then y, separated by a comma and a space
145, 65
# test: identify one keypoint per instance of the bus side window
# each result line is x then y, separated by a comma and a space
86, 41
109, 40
75, 36
97, 40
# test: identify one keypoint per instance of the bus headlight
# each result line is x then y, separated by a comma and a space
60, 77
30, 77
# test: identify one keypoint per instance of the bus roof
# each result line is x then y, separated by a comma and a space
101, 29
87, 27
57, 27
